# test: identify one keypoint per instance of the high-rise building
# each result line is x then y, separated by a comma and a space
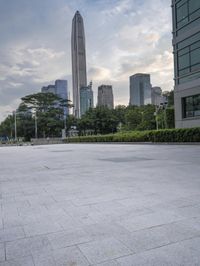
86, 99
105, 96
79, 75
186, 44
140, 89
156, 96
49, 89
60, 89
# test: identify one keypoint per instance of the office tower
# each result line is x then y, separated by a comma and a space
140, 89
186, 46
156, 96
49, 89
105, 96
86, 99
60, 89
79, 77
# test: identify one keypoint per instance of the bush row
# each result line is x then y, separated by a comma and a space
166, 135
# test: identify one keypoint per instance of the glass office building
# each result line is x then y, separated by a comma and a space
186, 44
140, 89
86, 99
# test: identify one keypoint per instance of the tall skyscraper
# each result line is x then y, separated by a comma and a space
79, 75
186, 44
105, 96
86, 99
140, 89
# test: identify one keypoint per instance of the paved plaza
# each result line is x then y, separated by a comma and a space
100, 204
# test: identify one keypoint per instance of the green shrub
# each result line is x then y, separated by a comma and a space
165, 135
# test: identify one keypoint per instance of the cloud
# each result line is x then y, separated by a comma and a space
99, 73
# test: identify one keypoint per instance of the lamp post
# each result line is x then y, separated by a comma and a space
36, 128
15, 118
156, 116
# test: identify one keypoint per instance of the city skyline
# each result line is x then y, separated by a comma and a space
122, 39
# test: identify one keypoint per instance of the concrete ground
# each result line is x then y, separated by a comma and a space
96, 204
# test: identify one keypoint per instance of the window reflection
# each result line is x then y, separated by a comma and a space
191, 106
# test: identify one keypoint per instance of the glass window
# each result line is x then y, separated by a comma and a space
195, 56
195, 15
188, 78
184, 71
191, 106
182, 12
183, 51
189, 41
183, 61
180, 3
194, 5
195, 45
195, 67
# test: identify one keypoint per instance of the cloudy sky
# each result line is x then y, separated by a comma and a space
123, 37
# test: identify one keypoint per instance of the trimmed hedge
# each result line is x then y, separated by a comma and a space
166, 135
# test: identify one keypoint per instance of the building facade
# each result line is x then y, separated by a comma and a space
86, 99
186, 46
49, 89
140, 89
105, 96
60, 89
156, 95
79, 76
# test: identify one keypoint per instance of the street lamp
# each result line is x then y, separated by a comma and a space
36, 128
156, 116
15, 115
163, 106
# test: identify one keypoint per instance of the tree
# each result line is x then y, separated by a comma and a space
120, 112
7, 127
101, 120
49, 110
170, 121
133, 118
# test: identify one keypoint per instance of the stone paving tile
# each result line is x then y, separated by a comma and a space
69, 223
44, 259
150, 220
2, 252
12, 220
192, 223
11, 234
103, 250
38, 200
41, 228
184, 253
27, 246
158, 236
108, 263
25, 261
70, 256
65, 238
189, 211
105, 230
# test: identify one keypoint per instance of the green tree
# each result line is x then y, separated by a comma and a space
133, 118
101, 120
7, 127
49, 110
170, 120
